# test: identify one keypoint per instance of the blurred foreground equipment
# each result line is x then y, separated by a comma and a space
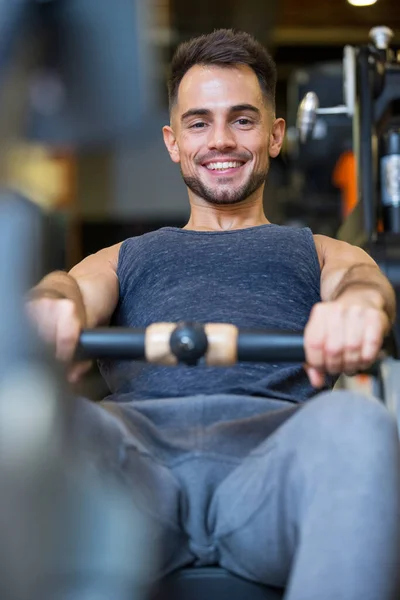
94, 81
66, 531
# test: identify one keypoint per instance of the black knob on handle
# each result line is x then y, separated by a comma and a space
188, 343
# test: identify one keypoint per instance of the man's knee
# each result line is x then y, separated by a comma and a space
349, 424
353, 413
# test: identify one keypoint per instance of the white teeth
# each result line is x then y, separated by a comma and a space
223, 165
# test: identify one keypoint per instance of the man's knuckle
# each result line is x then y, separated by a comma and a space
318, 309
373, 314
356, 311
67, 307
65, 343
352, 347
68, 335
44, 304
374, 334
315, 345
333, 350
336, 309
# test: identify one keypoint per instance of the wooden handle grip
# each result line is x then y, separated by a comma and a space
156, 344
222, 344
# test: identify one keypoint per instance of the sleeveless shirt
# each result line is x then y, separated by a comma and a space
262, 277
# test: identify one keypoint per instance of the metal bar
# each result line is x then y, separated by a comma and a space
114, 343
122, 343
363, 129
271, 347
390, 383
333, 110
129, 343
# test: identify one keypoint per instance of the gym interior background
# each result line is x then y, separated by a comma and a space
100, 194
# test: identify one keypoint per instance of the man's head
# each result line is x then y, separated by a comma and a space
222, 105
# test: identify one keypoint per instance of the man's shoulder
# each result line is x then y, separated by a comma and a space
327, 246
99, 262
321, 243
331, 251
146, 235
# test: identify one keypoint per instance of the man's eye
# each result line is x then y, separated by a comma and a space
199, 125
244, 121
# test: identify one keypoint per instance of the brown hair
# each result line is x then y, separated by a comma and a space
225, 48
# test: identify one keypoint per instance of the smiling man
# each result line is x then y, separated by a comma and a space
260, 468
220, 122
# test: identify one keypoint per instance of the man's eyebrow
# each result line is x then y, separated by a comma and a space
195, 112
205, 112
244, 107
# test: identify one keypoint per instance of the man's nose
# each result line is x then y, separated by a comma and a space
221, 138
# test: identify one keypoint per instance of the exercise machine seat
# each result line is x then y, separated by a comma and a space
213, 583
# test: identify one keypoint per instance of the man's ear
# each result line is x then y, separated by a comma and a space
171, 143
276, 137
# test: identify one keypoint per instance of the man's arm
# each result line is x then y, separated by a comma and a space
346, 330
346, 268
98, 283
92, 285
62, 304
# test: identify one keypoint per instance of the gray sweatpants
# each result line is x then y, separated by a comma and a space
302, 496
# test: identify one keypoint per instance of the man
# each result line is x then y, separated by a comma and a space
256, 467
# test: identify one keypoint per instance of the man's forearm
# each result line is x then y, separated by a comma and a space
60, 284
369, 279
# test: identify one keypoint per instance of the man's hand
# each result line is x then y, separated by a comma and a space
59, 323
344, 335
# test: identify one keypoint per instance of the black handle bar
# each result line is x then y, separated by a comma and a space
119, 343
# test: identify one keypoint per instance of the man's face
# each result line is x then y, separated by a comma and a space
222, 133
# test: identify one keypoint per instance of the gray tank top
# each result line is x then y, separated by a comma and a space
265, 277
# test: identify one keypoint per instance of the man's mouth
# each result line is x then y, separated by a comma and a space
222, 167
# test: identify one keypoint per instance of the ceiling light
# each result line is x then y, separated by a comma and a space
361, 2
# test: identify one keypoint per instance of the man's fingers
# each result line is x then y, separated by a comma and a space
58, 323
334, 343
372, 341
342, 338
354, 331
67, 333
317, 379
46, 328
314, 338
324, 338
77, 370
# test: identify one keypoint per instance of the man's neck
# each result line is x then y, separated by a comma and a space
206, 217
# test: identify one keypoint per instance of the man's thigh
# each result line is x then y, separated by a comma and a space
111, 448
338, 450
